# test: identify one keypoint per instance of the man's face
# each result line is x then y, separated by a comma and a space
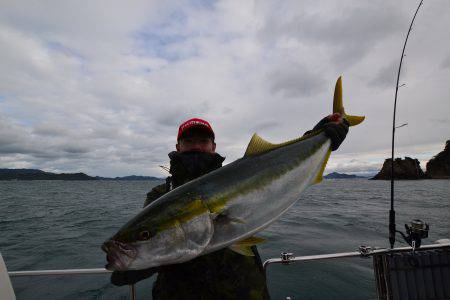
196, 140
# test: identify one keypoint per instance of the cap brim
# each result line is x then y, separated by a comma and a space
199, 129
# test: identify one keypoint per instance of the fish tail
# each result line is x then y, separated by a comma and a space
338, 107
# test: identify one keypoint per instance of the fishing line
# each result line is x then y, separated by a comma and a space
392, 229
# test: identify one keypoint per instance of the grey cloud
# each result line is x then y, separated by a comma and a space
20, 146
75, 149
446, 63
265, 125
102, 132
49, 143
136, 157
387, 75
30, 149
96, 111
7, 137
10, 148
227, 110
172, 116
48, 129
350, 35
295, 80
12, 138
439, 120
49, 153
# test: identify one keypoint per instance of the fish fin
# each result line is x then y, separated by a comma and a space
224, 217
244, 247
258, 145
319, 176
354, 120
244, 250
253, 240
338, 106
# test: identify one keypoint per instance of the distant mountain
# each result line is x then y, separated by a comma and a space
336, 175
20, 171
34, 174
131, 177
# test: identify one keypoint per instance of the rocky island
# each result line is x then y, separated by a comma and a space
407, 168
439, 166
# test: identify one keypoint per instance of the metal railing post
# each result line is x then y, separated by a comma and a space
132, 292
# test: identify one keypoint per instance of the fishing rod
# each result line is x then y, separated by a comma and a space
392, 227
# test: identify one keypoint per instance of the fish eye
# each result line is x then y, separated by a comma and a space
144, 235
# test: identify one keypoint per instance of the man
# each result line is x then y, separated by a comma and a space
223, 274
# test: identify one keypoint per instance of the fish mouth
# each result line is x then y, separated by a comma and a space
118, 254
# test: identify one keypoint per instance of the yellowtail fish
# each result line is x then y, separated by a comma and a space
226, 207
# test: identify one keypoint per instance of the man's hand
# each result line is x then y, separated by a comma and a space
335, 127
120, 278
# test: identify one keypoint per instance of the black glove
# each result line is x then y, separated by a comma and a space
120, 278
335, 131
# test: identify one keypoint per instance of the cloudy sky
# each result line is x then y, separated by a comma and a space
101, 86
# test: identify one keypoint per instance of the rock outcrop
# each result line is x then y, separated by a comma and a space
407, 168
439, 166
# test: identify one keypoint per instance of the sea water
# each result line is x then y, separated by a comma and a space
62, 224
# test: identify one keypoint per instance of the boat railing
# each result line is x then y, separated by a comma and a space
59, 272
363, 251
285, 259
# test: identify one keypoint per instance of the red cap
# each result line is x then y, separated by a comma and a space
195, 122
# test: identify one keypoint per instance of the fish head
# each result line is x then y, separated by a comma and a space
125, 249
158, 237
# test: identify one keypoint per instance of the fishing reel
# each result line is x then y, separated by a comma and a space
415, 232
